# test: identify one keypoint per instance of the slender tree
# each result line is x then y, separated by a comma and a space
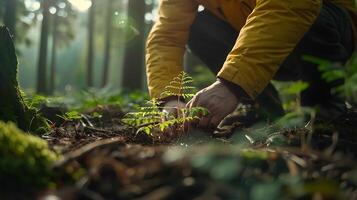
108, 40
10, 15
42, 60
90, 64
53, 53
134, 51
62, 33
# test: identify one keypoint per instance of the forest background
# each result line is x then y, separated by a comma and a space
69, 45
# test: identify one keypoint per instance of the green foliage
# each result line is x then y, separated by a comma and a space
94, 98
25, 160
256, 174
290, 93
146, 115
180, 86
295, 88
36, 122
34, 101
86, 100
335, 72
72, 116
152, 117
296, 118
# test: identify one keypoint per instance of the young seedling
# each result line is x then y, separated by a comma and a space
151, 119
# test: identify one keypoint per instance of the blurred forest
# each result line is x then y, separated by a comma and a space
69, 45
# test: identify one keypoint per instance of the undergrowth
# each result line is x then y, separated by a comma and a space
152, 117
343, 78
26, 160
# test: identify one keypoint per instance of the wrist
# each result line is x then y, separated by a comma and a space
238, 91
171, 100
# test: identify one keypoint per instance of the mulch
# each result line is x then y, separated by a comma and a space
116, 163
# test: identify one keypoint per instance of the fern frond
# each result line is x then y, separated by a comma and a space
187, 96
195, 112
187, 81
173, 87
188, 87
151, 117
136, 122
169, 123
180, 86
146, 129
168, 93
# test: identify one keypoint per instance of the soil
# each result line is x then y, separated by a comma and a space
117, 163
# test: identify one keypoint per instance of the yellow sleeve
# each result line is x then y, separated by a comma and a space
271, 32
166, 43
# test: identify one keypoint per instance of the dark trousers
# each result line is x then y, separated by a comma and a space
330, 38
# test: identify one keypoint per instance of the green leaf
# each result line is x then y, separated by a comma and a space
146, 129
296, 88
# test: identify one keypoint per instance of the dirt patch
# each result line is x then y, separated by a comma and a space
117, 163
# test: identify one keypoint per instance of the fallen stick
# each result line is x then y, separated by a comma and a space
87, 149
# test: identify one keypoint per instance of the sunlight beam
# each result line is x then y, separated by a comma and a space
81, 5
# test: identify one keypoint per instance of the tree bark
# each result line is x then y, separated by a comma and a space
134, 51
42, 60
10, 15
91, 22
108, 40
12, 106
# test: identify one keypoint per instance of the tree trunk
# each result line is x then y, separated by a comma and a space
12, 106
91, 22
108, 39
53, 55
10, 15
42, 61
134, 51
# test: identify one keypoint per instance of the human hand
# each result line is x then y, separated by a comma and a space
173, 107
219, 101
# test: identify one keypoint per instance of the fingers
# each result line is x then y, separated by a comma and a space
211, 121
193, 102
204, 121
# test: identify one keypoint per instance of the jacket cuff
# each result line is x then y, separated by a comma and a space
241, 95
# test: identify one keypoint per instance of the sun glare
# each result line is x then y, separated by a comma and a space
81, 5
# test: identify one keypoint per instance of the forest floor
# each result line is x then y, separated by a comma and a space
112, 161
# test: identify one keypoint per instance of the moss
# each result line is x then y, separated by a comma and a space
25, 160
12, 106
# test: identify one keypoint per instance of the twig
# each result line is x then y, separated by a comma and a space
85, 150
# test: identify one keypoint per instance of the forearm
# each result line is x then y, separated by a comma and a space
272, 31
166, 43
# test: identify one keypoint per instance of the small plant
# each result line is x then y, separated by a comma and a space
180, 86
71, 116
153, 117
34, 101
335, 73
291, 93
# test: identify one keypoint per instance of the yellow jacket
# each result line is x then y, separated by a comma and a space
270, 29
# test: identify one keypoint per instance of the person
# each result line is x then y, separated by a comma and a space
248, 43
